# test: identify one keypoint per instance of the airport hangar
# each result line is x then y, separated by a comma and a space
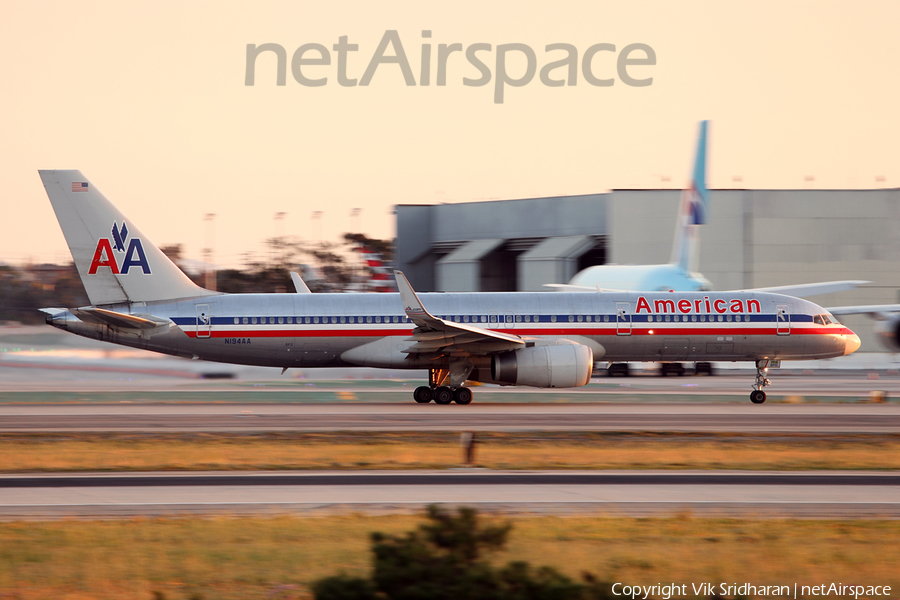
754, 238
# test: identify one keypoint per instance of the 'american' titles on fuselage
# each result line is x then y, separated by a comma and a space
699, 306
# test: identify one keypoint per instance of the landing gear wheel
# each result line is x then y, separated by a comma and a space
620, 369
757, 396
672, 369
703, 368
443, 395
423, 394
462, 395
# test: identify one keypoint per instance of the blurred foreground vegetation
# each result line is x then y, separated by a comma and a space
280, 557
446, 558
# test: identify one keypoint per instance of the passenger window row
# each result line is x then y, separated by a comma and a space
501, 319
316, 320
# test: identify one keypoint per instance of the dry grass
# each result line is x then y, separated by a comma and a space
277, 557
96, 452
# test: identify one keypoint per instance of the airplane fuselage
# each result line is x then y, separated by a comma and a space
641, 277
372, 330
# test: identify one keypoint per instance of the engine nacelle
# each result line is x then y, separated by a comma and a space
557, 366
889, 332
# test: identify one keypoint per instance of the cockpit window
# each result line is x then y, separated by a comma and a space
818, 319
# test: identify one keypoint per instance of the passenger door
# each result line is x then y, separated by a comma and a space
783, 319
623, 318
204, 320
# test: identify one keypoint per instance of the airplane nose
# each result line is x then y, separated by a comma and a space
851, 345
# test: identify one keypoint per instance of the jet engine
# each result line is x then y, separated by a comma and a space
888, 332
557, 366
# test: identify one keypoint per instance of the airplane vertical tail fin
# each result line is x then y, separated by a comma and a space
116, 262
694, 211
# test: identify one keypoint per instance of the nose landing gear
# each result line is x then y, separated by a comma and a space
758, 396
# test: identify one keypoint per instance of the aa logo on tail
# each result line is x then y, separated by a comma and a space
134, 255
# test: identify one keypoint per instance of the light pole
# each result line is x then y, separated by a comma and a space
210, 272
277, 242
316, 219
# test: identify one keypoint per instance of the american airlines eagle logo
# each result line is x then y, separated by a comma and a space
104, 255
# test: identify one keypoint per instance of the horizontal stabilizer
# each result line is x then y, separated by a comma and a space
101, 316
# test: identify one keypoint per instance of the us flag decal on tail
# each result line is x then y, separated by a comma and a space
79, 186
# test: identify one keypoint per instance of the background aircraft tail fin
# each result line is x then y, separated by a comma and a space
116, 262
693, 212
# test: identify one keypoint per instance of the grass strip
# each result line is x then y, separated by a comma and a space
248, 558
21, 453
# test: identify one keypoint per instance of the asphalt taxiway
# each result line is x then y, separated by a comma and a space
258, 417
818, 494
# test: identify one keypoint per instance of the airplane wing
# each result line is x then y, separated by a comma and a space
802, 290
438, 336
877, 311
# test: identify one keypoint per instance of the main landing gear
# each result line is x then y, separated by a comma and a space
758, 396
441, 394
620, 369
665, 369
668, 368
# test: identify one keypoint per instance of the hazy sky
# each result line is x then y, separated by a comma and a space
149, 101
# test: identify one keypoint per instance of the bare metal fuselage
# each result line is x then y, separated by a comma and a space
328, 330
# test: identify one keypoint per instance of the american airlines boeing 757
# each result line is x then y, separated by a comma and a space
139, 298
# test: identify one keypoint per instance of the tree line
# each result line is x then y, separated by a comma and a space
325, 267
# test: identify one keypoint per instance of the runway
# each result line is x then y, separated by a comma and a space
21, 380
818, 494
259, 417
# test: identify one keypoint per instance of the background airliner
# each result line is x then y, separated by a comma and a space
681, 273
139, 298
